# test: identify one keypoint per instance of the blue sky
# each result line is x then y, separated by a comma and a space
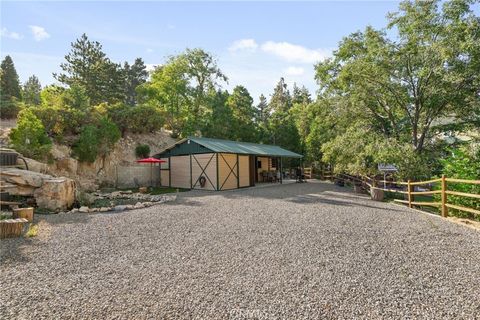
255, 43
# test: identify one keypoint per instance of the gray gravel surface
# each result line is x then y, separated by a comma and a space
299, 251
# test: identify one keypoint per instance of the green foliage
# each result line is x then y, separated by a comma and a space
138, 119
243, 114
463, 163
88, 66
358, 152
29, 137
142, 151
9, 83
86, 147
32, 230
135, 75
31, 91
9, 108
96, 140
182, 88
218, 125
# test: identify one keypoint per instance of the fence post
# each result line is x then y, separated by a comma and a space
409, 190
444, 197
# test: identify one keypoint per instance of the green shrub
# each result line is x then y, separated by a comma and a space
142, 151
9, 109
145, 119
86, 147
29, 137
137, 119
96, 140
463, 163
60, 121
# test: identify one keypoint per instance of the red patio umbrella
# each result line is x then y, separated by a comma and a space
151, 160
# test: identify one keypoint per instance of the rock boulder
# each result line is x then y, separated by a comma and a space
51, 193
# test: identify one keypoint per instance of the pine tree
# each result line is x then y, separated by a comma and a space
88, 66
241, 104
135, 75
31, 91
262, 110
281, 125
9, 84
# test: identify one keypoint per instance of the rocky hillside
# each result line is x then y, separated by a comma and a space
90, 176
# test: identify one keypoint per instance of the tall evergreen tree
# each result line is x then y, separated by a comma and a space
282, 129
281, 100
31, 91
218, 124
88, 66
135, 75
9, 83
243, 113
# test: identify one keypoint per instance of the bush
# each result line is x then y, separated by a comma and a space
463, 163
86, 147
142, 151
9, 109
29, 137
359, 151
60, 121
96, 140
137, 119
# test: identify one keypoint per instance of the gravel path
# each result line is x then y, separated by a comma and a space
310, 251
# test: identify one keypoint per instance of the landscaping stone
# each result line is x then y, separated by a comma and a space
54, 194
139, 205
120, 208
84, 209
105, 209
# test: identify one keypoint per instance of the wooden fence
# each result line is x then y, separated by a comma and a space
370, 184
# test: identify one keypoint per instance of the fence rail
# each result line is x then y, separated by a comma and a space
370, 184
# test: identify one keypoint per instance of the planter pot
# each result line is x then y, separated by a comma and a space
377, 194
26, 213
11, 228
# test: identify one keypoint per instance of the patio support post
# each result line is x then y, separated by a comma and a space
281, 171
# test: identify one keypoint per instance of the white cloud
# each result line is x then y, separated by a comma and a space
151, 66
39, 33
170, 26
150, 50
294, 71
10, 34
243, 44
294, 53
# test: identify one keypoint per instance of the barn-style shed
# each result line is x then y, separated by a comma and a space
214, 164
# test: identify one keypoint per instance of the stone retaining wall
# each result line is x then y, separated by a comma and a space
144, 174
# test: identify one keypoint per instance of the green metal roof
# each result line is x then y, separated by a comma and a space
227, 146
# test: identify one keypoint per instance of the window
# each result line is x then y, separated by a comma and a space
259, 164
274, 163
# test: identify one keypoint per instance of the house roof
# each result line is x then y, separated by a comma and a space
227, 146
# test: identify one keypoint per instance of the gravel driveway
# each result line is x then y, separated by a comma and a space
312, 251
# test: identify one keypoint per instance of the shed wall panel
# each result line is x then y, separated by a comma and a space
227, 177
165, 178
244, 171
180, 171
204, 165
